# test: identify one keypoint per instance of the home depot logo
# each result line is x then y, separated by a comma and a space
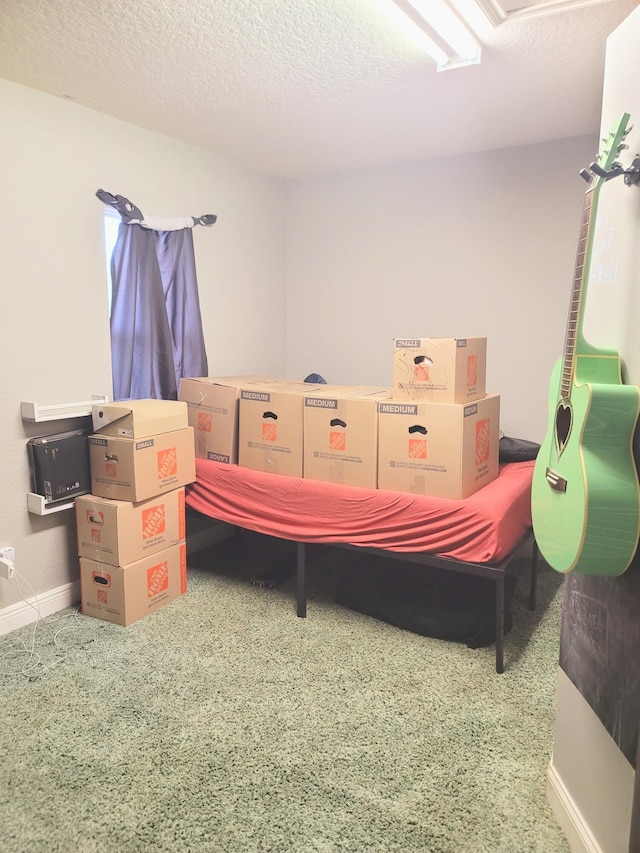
153, 521
157, 579
167, 463
483, 433
111, 470
205, 421
269, 432
417, 448
472, 370
96, 534
337, 440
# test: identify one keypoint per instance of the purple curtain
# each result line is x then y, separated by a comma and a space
156, 325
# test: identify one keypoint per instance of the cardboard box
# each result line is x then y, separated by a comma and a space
126, 469
126, 594
212, 403
446, 450
121, 532
439, 370
271, 426
139, 418
341, 434
213, 414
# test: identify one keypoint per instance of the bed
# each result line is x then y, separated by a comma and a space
483, 535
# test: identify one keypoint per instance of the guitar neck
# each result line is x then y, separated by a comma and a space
573, 335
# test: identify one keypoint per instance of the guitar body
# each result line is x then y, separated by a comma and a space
585, 498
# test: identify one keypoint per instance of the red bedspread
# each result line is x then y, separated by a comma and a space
483, 528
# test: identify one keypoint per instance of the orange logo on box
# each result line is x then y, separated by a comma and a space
157, 579
472, 370
167, 463
417, 448
96, 535
268, 432
204, 421
110, 469
153, 521
483, 433
102, 597
421, 372
337, 441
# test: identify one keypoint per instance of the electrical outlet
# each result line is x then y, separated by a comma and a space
7, 556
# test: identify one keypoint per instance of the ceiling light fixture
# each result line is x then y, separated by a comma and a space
449, 41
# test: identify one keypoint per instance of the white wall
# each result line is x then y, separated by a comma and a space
590, 780
54, 345
476, 245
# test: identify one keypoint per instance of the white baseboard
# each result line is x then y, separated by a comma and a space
26, 612
569, 816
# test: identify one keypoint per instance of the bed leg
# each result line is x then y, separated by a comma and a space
534, 576
302, 580
500, 625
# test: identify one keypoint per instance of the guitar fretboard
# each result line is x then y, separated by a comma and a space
576, 298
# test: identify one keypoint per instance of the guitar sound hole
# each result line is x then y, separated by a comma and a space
563, 424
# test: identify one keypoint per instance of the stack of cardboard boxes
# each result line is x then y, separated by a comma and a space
440, 434
131, 528
434, 432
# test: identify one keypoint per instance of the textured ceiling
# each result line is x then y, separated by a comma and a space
304, 87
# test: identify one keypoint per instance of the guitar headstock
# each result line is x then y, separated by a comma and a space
606, 166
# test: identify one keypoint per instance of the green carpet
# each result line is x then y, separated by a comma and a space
225, 723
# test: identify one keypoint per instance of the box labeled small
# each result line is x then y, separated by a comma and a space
127, 469
439, 370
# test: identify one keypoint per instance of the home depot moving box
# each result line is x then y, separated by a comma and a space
128, 469
341, 434
271, 426
447, 450
212, 403
121, 532
139, 418
126, 594
439, 370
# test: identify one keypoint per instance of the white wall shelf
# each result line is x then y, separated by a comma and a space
60, 411
37, 505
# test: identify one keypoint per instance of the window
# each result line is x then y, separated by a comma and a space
111, 224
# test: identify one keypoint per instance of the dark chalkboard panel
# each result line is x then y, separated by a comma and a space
600, 649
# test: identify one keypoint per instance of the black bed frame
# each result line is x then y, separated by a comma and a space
495, 571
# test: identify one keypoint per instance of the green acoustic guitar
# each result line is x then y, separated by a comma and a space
585, 499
